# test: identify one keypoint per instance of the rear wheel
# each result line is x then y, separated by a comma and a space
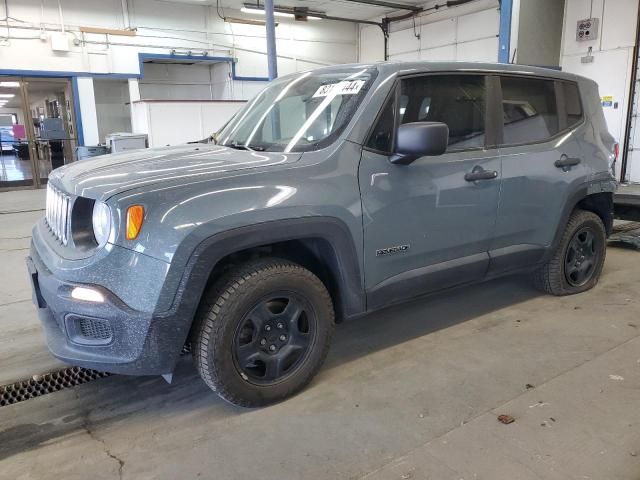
578, 260
263, 332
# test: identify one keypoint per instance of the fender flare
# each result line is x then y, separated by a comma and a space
582, 192
186, 283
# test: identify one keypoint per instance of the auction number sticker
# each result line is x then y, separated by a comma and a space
348, 87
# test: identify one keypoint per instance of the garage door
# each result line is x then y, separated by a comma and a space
471, 37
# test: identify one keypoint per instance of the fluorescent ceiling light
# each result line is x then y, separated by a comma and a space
7, 95
262, 12
10, 84
311, 17
245, 21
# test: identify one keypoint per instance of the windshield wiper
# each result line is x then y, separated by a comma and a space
237, 146
251, 148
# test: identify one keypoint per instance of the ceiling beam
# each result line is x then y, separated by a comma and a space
385, 4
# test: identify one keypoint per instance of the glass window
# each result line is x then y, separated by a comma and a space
530, 113
572, 103
381, 138
299, 112
457, 100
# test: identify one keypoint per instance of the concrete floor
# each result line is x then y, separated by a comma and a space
412, 392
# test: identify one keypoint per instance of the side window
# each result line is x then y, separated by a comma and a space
572, 103
530, 112
457, 100
382, 135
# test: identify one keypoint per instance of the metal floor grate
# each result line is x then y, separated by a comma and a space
40, 385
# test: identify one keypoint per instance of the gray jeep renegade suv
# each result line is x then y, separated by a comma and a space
332, 193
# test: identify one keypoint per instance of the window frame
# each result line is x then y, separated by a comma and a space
563, 127
490, 120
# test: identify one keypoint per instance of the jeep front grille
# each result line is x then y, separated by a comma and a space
58, 213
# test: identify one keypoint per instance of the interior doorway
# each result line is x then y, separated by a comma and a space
37, 129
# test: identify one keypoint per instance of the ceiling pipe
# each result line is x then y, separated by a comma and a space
394, 5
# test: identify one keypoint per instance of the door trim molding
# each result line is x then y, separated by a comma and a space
429, 279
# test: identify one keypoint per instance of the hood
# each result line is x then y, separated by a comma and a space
107, 175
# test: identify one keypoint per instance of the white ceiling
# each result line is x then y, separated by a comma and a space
335, 8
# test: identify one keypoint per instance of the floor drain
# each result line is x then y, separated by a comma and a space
40, 385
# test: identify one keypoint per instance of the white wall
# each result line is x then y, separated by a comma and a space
112, 106
464, 33
163, 26
612, 53
539, 34
173, 122
88, 111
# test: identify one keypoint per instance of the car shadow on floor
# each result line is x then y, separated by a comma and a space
104, 402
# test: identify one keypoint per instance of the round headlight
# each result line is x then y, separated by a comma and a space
101, 219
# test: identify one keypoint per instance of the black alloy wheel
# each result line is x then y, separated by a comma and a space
581, 258
262, 331
274, 338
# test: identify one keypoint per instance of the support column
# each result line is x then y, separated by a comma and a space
272, 55
504, 44
85, 106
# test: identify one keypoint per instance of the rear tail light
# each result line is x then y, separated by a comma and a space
614, 160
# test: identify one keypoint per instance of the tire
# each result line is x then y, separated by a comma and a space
559, 276
232, 323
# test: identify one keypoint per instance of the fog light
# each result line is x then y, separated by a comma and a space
87, 294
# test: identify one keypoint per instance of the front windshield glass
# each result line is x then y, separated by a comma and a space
300, 113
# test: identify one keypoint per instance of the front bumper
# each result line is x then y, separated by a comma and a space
108, 336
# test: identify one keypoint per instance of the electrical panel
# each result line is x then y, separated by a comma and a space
587, 29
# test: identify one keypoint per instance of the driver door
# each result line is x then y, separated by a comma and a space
426, 227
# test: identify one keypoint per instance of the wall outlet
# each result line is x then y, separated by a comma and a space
587, 29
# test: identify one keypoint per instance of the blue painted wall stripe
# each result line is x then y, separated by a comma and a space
504, 44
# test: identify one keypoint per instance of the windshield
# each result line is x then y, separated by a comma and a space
299, 113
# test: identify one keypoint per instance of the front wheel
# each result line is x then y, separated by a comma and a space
578, 260
262, 332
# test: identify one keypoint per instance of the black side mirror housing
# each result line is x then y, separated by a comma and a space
420, 139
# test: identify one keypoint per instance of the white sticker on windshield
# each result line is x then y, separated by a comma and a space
348, 87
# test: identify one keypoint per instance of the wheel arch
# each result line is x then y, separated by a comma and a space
587, 197
602, 205
324, 245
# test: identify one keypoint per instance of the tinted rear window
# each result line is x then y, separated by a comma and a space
530, 112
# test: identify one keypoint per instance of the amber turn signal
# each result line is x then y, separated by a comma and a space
135, 217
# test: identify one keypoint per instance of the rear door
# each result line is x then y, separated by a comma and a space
542, 167
427, 227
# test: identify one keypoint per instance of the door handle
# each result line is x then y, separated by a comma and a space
479, 173
566, 162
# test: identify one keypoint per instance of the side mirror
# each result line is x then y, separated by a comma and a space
420, 139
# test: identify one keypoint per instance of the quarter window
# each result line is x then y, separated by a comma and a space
530, 112
457, 100
572, 103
